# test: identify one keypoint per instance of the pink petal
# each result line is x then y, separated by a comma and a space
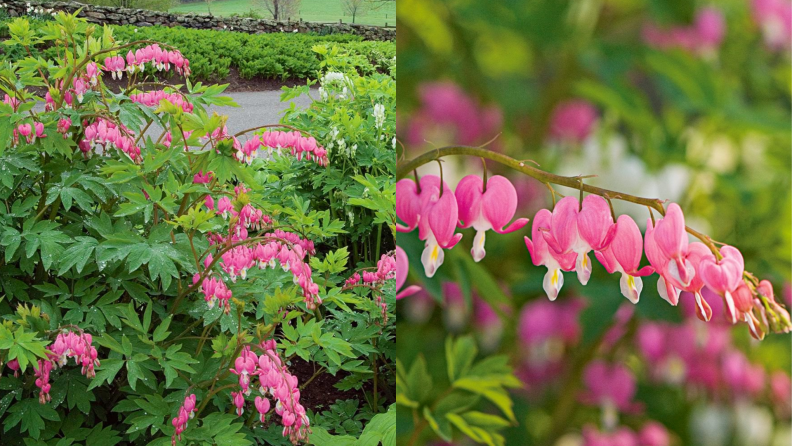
408, 204
468, 195
563, 226
594, 222
670, 233
402, 267
442, 215
627, 246
499, 205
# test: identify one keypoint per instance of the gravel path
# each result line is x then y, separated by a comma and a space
257, 108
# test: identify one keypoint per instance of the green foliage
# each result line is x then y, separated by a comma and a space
381, 430
213, 53
454, 406
110, 246
361, 149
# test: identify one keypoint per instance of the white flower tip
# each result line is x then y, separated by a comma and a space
477, 251
583, 268
631, 287
553, 281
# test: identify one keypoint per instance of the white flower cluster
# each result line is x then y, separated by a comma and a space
336, 140
379, 115
36, 10
334, 81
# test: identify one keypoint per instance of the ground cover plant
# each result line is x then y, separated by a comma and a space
213, 54
165, 282
594, 207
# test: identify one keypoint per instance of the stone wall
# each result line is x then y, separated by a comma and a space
141, 17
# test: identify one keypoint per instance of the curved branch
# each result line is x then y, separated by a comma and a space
538, 174
545, 177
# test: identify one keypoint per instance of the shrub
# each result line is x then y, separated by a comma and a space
197, 279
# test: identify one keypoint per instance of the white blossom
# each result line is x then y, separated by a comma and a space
379, 115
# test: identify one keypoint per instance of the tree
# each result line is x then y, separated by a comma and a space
354, 8
281, 9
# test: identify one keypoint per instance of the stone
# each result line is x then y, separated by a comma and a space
140, 17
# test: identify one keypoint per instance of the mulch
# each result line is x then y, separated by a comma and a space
320, 393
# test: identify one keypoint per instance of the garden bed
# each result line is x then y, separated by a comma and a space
249, 62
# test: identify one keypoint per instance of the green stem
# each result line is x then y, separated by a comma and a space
545, 177
538, 174
379, 241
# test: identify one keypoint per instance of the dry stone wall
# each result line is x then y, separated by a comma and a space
142, 17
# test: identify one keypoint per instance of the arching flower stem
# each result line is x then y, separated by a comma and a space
547, 178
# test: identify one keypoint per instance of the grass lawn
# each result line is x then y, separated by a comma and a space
310, 10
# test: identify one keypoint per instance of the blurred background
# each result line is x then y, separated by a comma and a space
681, 100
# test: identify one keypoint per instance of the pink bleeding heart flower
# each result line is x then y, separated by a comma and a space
402, 268
572, 121
596, 230
624, 256
610, 386
438, 220
408, 204
744, 304
262, 406
482, 209
563, 237
24, 130
39, 130
238, 399
667, 286
672, 240
595, 224
775, 19
542, 254
724, 276
621, 436
697, 252
654, 434
710, 27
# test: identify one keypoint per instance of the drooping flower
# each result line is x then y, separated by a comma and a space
262, 406
667, 248
672, 240
455, 311
572, 121
185, 414
621, 436
402, 268
447, 109
542, 254
624, 256
238, 398
563, 237
437, 222
408, 204
702, 37
744, 304
610, 386
484, 209
697, 252
775, 19
595, 224
545, 331
654, 434
724, 276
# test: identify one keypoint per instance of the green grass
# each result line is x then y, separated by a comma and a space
311, 11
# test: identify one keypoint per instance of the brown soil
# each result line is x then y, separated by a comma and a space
235, 81
321, 392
